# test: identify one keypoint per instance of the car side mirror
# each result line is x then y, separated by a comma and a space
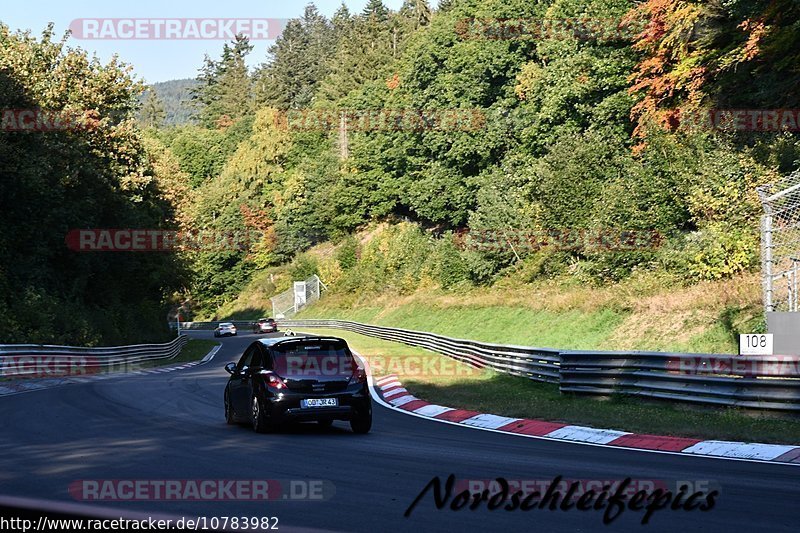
231, 368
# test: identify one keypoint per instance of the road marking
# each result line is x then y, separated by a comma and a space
386, 379
394, 392
584, 434
209, 356
402, 400
446, 417
532, 427
433, 410
489, 421
655, 442
743, 450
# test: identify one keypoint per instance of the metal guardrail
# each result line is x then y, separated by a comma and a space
38, 359
539, 364
753, 382
212, 325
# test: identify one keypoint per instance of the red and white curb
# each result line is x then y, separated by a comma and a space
19, 386
395, 396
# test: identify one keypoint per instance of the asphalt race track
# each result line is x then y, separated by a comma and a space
171, 427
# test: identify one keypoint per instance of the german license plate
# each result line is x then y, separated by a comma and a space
319, 402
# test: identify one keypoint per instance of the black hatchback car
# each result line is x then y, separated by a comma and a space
298, 379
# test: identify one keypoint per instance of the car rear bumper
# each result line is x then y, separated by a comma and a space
286, 407
318, 413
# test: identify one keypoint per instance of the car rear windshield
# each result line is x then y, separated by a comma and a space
314, 359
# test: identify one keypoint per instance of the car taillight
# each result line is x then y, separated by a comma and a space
359, 376
275, 381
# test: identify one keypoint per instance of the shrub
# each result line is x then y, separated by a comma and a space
347, 253
303, 267
719, 250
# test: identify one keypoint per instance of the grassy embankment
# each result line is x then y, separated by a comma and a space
194, 350
644, 312
489, 392
637, 314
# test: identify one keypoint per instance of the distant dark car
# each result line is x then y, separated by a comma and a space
225, 329
298, 379
265, 325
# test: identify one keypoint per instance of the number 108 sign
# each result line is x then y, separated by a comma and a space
755, 344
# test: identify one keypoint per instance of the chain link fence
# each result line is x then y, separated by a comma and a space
303, 293
780, 243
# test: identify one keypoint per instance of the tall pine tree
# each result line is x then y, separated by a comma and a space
298, 62
152, 113
225, 92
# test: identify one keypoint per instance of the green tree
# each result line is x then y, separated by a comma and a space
298, 62
366, 45
417, 11
152, 113
225, 94
251, 181
95, 171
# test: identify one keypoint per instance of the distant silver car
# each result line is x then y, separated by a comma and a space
265, 325
225, 329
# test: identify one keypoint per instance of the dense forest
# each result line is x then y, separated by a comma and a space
91, 170
499, 116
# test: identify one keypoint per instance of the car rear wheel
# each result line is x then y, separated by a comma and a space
229, 418
260, 424
362, 422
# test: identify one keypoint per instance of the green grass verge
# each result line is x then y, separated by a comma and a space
194, 350
500, 394
508, 325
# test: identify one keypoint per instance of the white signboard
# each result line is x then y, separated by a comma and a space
755, 344
299, 294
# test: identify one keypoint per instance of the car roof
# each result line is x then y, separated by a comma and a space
273, 341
